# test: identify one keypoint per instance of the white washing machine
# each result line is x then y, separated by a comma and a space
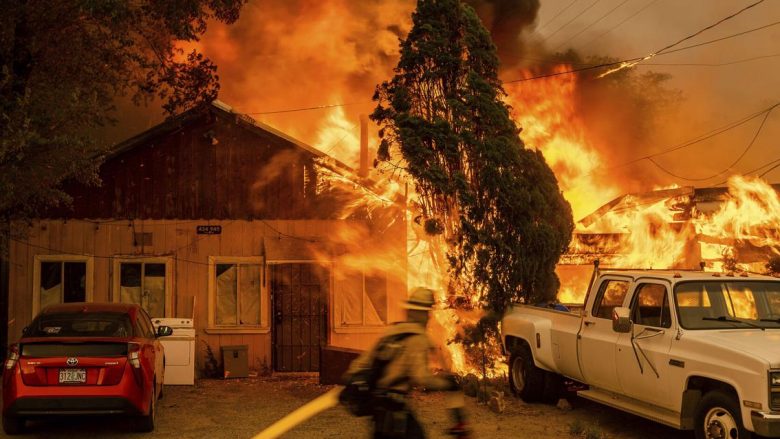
179, 350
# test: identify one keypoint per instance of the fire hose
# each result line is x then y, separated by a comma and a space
331, 399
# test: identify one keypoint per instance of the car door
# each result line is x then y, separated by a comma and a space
642, 355
155, 347
597, 339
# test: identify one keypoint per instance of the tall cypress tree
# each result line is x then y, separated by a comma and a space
496, 202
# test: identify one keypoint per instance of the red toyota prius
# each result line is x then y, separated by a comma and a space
85, 358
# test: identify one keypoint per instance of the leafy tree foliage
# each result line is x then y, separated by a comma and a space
63, 64
496, 202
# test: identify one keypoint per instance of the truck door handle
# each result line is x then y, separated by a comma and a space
589, 322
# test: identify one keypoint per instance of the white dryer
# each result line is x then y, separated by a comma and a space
179, 350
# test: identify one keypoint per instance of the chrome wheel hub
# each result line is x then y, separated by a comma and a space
719, 424
518, 374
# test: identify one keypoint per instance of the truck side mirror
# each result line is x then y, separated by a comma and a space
621, 319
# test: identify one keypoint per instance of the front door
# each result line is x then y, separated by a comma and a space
643, 359
597, 338
300, 304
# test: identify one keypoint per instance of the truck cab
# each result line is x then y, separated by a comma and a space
693, 350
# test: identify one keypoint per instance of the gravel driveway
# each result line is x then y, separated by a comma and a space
241, 408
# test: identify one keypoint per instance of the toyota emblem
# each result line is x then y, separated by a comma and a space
72, 361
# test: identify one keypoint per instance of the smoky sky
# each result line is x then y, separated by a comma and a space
305, 53
507, 20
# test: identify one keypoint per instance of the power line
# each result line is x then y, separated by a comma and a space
556, 15
570, 21
693, 35
729, 63
592, 24
318, 107
727, 37
636, 59
728, 168
695, 140
651, 3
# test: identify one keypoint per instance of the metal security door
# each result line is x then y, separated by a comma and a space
299, 293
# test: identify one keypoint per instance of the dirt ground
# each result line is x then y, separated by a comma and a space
241, 408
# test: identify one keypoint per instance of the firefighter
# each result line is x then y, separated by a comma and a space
401, 357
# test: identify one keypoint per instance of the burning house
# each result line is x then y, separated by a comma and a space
730, 228
263, 240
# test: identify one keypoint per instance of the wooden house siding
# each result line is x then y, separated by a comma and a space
210, 165
190, 254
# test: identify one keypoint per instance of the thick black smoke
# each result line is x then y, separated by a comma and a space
507, 21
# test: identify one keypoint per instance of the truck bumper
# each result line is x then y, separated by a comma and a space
766, 423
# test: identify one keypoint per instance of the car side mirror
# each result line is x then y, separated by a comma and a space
164, 331
621, 320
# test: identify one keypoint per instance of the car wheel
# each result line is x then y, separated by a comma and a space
145, 423
718, 417
525, 379
13, 425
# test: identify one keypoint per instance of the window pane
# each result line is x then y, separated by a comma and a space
75, 282
226, 294
154, 289
612, 296
249, 294
352, 298
130, 282
652, 307
51, 283
376, 305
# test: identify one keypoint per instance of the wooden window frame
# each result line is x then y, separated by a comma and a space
117, 278
265, 301
88, 284
362, 328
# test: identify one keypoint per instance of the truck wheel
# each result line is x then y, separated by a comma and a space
553, 387
525, 379
13, 425
718, 417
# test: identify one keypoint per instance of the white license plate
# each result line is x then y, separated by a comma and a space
70, 376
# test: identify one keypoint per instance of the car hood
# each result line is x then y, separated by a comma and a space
755, 342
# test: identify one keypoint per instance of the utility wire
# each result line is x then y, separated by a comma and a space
631, 60
727, 37
570, 21
319, 107
729, 63
728, 168
693, 35
556, 15
651, 3
592, 24
584, 67
695, 140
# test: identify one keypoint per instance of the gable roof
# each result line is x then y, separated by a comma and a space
224, 110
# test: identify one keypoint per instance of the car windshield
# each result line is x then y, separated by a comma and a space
728, 304
106, 324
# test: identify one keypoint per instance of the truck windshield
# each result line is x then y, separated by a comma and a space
728, 304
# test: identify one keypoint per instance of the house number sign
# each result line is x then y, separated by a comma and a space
209, 230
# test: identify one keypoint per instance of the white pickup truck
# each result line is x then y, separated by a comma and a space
692, 350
